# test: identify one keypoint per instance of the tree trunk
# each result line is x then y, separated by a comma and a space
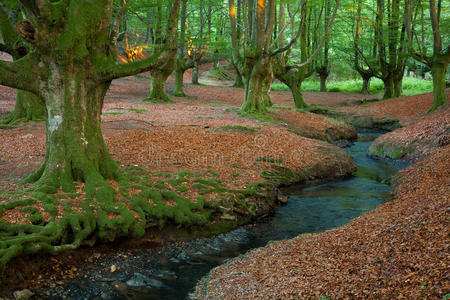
178, 85
255, 100
296, 89
323, 82
266, 89
195, 74
28, 107
157, 83
398, 87
76, 150
388, 87
366, 85
438, 70
238, 82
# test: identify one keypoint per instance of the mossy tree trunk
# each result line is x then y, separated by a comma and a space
180, 66
28, 107
158, 80
388, 82
323, 81
398, 87
178, 85
440, 57
438, 71
293, 79
75, 146
71, 69
195, 74
255, 100
238, 81
366, 85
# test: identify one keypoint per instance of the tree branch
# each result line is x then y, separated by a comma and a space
300, 29
122, 70
20, 74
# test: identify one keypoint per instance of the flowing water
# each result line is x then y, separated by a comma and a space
171, 271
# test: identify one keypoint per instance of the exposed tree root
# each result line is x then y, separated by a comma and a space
60, 221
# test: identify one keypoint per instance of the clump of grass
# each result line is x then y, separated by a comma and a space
137, 110
113, 113
121, 110
239, 128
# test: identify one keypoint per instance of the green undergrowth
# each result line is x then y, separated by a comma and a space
139, 200
411, 86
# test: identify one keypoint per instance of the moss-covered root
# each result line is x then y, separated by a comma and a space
28, 107
104, 210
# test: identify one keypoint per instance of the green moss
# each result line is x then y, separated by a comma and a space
270, 159
239, 128
263, 117
390, 149
137, 110
212, 172
112, 113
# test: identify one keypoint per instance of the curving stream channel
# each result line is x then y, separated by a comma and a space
171, 271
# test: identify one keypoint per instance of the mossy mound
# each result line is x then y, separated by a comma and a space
367, 121
63, 221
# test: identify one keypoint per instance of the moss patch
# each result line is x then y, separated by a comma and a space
239, 128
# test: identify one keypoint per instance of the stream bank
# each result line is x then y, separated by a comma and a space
399, 249
171, 271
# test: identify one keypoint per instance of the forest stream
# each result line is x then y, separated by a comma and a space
171, 271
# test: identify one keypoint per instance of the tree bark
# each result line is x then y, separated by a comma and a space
323, 81
438, 70
366, 85
398, 86
255, 100
238, 81
76, 150
178, 85
388, 82
28, 107
195, 74
157, 83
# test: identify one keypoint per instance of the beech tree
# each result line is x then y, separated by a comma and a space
70, 68
28, 107
160, 74
293, 71
438, 60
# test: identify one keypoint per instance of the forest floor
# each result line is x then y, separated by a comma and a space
203, 133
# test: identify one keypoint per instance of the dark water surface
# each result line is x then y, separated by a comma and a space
171, 272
